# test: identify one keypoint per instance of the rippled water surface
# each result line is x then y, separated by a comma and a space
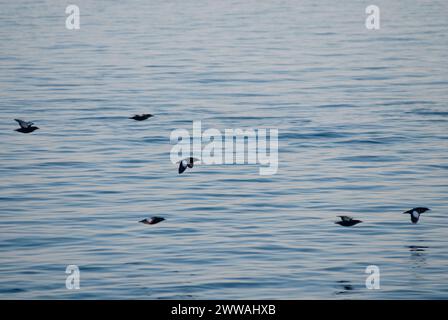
362, 118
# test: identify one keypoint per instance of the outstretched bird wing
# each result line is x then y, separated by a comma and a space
182, 166
418, 209
191, 161
24, 124
145, 221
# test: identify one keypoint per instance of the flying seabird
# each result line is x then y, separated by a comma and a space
141, 117
415, 213
347, 221
152, 220
25, 127
186, 163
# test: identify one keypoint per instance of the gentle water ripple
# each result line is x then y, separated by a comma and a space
362, 119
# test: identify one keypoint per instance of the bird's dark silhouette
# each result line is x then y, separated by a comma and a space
152, 220
25, 127
141, 117
415, 213
186, 163
347, 221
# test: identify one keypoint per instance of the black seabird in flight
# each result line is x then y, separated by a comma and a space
152, 220
141, 117
186, 163
25, 127
415, 213
347, 221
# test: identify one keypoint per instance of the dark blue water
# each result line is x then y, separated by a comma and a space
362, 118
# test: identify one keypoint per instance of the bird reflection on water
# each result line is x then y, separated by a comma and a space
418, 256
344, 287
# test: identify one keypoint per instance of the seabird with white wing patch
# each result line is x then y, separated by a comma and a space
415, 213
186, 163
347, 221
152, 220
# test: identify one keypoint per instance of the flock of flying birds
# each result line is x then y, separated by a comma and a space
346, 221
415, 216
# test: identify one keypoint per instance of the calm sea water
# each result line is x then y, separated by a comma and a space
362, 118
